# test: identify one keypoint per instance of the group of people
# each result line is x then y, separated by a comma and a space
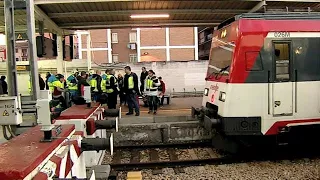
105, 88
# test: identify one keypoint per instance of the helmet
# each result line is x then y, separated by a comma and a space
59, 76
91, 71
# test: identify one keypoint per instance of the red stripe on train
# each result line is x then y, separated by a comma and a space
280, 124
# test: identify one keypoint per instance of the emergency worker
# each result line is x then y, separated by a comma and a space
58, 90
82, 81
95, 82
103, 83
131, 90
72, 83
152, 84
112, 89
52, 79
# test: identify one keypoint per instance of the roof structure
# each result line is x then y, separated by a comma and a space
62, 15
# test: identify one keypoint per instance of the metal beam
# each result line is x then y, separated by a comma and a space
129, 12
258, 6
89, 1
32, 53
124, 24
303, 1
47, 21
10, 49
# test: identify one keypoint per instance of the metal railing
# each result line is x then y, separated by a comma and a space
185, 93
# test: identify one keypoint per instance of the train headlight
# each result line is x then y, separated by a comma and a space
206, 92
222, 96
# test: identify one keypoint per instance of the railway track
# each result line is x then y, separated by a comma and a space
179, 156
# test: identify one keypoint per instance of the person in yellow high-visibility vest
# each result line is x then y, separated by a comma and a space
112, 89
95, 81
131, 90
103, 83
59, 89
72, 83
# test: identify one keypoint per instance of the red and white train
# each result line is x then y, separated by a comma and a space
263, 76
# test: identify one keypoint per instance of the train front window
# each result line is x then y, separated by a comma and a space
221, 57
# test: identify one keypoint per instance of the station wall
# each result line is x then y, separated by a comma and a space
177, 75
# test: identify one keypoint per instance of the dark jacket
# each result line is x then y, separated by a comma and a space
135, 81
1, 90
82, 81
4, 87
47, 77
42, 84
143, 76
120, 83
98, 78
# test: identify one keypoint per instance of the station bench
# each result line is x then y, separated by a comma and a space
166, 97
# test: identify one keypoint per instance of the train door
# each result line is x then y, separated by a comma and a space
282, 86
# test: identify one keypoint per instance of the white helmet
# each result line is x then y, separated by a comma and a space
75, 71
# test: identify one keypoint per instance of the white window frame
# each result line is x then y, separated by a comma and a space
113, 58
114, 38
131, 35
133, 58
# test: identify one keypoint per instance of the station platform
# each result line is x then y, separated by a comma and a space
179, 109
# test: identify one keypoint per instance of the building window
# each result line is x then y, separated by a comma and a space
17, 50
115, 58
114, 38
133, 37
133, 58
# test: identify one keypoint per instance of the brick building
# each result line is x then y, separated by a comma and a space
139, 45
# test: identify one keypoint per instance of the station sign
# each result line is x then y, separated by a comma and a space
23, 67
21, 36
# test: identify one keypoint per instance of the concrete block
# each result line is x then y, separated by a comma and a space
162, 119
187, 131
134, 134
136, 120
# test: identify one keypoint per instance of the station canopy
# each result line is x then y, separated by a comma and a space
61, 16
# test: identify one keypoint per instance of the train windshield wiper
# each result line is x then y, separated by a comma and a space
223, 69
211, 74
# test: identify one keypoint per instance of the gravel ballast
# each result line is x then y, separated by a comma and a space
284, 170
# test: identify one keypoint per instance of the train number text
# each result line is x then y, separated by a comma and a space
282, 34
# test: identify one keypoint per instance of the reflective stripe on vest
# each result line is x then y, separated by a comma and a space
109, 89
103, 84
94, 84
57, 84
150, 86
72, 86
130, 83
51, 87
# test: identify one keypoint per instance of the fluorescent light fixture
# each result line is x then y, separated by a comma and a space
137, 16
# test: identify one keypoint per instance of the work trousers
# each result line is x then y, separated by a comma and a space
122, 97
132, 101
153, 103
62, 101
95, 96
112, 100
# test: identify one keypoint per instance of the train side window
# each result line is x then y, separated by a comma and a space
253, 61
282, 61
